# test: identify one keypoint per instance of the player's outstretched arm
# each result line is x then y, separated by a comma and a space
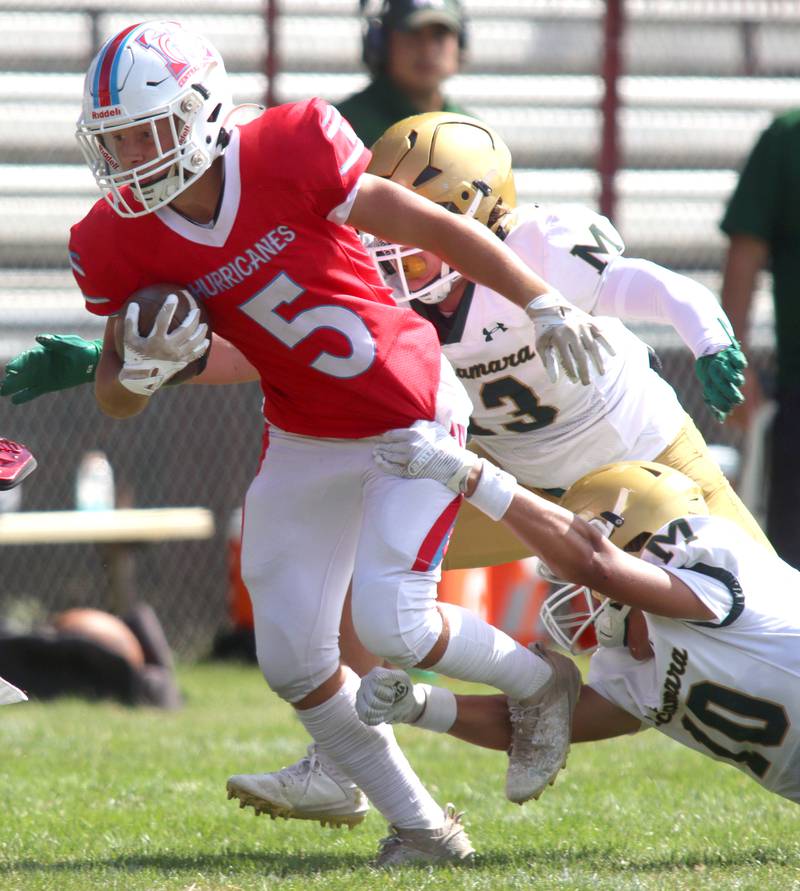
642, 290
565, 336
484, 720
479, 720
63, 361
574, 550
58, 362
579, 552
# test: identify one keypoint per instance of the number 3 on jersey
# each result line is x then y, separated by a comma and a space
498, 393
263, 307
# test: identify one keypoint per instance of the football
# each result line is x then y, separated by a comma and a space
150, 300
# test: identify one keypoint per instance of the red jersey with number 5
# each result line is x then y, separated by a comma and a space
282, 277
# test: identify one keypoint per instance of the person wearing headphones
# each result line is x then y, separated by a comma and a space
410, 49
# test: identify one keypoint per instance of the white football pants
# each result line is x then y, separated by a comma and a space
320, 512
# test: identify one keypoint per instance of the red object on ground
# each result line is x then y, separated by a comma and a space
16, 462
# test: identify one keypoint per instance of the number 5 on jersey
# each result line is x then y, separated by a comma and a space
263, 308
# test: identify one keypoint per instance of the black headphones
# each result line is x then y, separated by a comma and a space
374, 36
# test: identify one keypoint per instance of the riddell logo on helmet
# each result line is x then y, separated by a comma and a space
106, 113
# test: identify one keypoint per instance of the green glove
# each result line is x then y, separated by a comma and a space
59, 362
722, 377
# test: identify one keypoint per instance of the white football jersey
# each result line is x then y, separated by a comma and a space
730, 687
549, 435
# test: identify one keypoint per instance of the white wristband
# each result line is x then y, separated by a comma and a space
494, 492
440, 710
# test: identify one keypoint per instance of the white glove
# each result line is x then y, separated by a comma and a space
568, 334
150, 361
425, 450
388, 695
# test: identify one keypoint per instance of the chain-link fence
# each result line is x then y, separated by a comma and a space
699, 81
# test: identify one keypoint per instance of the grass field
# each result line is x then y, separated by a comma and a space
102, 797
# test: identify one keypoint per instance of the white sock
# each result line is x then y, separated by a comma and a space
477, 651
372, 759
439, 710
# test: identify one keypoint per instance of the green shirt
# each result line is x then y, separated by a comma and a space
378, 106
766, 204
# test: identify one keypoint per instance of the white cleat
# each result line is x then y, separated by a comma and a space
449, 844
310, 789
540, 732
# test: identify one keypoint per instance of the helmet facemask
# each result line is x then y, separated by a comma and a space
580, 619
155, 182
175, 83
629, 502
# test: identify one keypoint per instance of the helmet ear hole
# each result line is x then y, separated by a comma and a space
428, 174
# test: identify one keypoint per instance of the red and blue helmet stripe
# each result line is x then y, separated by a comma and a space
104, 88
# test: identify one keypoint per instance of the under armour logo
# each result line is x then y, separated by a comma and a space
488, 332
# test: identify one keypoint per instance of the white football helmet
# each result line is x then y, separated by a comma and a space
453, 160
629, 502
152, 72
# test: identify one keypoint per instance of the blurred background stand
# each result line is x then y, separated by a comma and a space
117, 531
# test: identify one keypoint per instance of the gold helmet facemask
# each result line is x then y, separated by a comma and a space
455, 161
629, 502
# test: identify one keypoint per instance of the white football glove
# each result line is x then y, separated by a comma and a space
567, 334
388, 695
425, 450
151, 360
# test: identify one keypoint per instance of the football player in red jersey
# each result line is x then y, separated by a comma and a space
259, 222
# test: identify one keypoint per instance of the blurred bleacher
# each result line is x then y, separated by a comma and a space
702, 80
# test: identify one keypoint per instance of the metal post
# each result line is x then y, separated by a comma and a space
749, 54
94, 33
271, 61
608, 162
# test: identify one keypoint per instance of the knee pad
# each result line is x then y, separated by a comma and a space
399, 622
291, 669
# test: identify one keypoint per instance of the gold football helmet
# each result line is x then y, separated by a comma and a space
629, 501
451, 159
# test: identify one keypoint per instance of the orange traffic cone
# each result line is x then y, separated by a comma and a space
467, 588
515, 597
